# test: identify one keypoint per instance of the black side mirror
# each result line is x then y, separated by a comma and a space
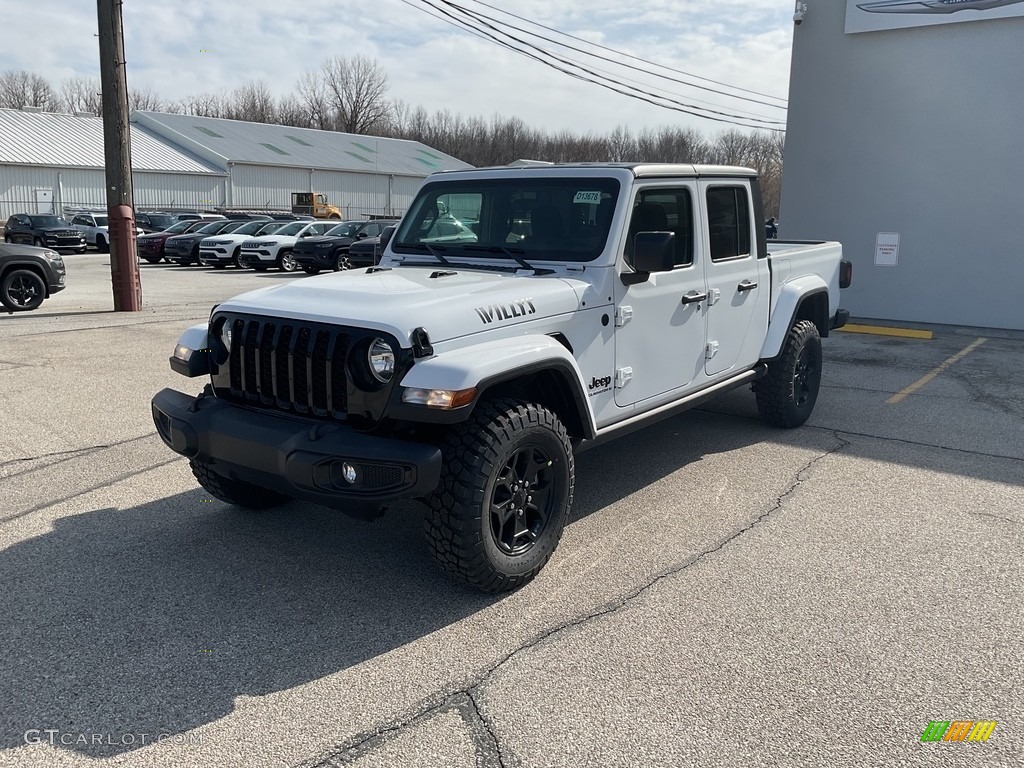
385, 237
654, 251
360, 235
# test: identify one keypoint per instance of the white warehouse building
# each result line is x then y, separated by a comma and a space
52, 162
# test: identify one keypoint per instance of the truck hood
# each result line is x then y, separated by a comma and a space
400, 300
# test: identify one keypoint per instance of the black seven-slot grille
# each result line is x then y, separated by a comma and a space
289, 365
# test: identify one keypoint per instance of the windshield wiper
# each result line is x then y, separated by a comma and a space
435, 250
512, 254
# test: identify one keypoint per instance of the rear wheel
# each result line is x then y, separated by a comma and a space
787, 393
505, 494
22, 290
341, 262
235, 492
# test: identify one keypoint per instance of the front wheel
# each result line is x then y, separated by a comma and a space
234, 258
234, 492
504, 496
787, 393
22, 290
101, 244
286, 262
341, 262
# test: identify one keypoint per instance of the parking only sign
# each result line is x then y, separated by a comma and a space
887, 249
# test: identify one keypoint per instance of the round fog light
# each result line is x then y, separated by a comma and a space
349, 473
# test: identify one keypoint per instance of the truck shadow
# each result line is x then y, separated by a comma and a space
153, 618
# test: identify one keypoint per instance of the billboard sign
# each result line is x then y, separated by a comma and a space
874, 15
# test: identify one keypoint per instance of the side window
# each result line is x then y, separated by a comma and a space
664, 210
372, 230
79, 220
728, 223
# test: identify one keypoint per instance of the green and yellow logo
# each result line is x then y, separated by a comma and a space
958, 730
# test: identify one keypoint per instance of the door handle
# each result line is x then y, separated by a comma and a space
746, 285
693, 297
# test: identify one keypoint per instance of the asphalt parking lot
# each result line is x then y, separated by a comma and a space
726, 593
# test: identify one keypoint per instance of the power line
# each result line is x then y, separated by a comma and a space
620, 54
595, 78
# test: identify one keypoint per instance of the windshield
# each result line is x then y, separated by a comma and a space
48, 221
212, 228
345, 229
160, 221
250, 227
266, 227
292, 228
181, 226
561, 219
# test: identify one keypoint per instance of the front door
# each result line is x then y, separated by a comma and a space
738, 281
661, 320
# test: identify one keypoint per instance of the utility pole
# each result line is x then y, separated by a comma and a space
124, 267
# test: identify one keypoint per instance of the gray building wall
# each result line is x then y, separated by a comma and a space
919, 132
84, 187
260, 186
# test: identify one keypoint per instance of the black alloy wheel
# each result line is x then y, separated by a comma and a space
522, 501
22, 290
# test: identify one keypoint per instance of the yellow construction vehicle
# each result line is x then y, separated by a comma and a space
314, 204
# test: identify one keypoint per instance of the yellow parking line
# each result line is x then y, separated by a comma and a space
881, 330
903, 393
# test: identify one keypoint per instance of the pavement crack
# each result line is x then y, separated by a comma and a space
482, 732
997, 517
75, 452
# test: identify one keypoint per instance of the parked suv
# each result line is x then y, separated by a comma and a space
367, 252
275, 250
184, 249
151, 247
221, 250
28, 275
43, 230
330, 250
94, 227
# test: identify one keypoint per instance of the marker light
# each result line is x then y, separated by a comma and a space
439, 398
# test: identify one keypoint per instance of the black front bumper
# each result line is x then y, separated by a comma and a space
323, 259
302, 458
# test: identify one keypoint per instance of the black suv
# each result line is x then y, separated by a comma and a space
43, 230
28, 275
367, 252
184, 249
330, 250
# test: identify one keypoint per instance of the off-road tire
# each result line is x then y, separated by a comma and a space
235, 491
787, 393
22, 290
463, 510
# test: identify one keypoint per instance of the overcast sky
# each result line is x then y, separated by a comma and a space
183, 47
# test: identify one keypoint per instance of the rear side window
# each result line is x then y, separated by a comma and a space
728, 222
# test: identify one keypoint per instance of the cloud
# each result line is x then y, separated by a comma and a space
186, 47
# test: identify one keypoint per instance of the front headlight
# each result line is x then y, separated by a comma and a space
53, 256
381, 359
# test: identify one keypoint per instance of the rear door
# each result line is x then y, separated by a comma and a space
738, 281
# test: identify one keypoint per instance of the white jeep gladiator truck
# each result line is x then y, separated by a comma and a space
587, 301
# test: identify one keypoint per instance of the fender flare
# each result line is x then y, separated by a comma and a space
792, 296
488, 364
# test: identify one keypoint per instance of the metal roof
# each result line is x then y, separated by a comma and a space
222, 141
74, 141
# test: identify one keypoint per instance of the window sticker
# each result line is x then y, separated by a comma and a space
587, 197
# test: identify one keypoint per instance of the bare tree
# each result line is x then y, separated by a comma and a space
19, 88
144, 99
312, 94
357, 90
252, 102
81, 94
